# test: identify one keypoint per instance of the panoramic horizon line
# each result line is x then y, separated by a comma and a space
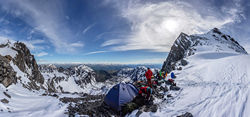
111, 63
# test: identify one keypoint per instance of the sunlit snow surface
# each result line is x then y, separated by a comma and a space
213, 85
24, 103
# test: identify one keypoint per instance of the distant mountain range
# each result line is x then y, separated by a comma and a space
108, 67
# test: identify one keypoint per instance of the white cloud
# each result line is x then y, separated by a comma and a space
87, 28
111, 42
95, 52
42, 54
76, 45
47, 17
155, 26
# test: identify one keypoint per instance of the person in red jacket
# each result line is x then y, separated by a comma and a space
148, 75
145, 90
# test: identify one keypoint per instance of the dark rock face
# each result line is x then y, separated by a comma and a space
24, 57
7, 74
187, 114
185, 45
177, 52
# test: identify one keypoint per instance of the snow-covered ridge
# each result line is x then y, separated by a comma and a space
6, 49
218, 42
72, 79
23, 62
21, 83
213, 41
214, 84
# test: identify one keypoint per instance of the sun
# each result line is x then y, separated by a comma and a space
171, 25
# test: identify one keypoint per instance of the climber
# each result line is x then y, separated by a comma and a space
158, 75
145, 91
158, 78
161, 75
172, 75
149, 75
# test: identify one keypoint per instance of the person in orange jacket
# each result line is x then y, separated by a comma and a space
149, 75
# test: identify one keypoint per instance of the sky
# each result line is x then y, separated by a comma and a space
116, 31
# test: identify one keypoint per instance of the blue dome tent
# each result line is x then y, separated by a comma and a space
120, 94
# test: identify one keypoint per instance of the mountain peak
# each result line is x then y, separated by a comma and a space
216, 30
22, 62
187, 45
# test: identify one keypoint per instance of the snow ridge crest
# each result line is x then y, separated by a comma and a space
213, 41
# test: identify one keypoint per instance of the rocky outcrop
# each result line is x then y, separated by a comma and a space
23, 61
5, 101
177, 52
7, 74
27, 63
186, 45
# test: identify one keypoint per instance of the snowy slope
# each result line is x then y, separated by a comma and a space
187, 45
25, 103
212, 86
214, 83
20, 99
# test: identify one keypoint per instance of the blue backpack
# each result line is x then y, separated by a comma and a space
172, 75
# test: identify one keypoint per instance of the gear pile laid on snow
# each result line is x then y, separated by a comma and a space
145, 91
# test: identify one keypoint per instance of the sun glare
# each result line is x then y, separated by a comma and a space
170, 25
